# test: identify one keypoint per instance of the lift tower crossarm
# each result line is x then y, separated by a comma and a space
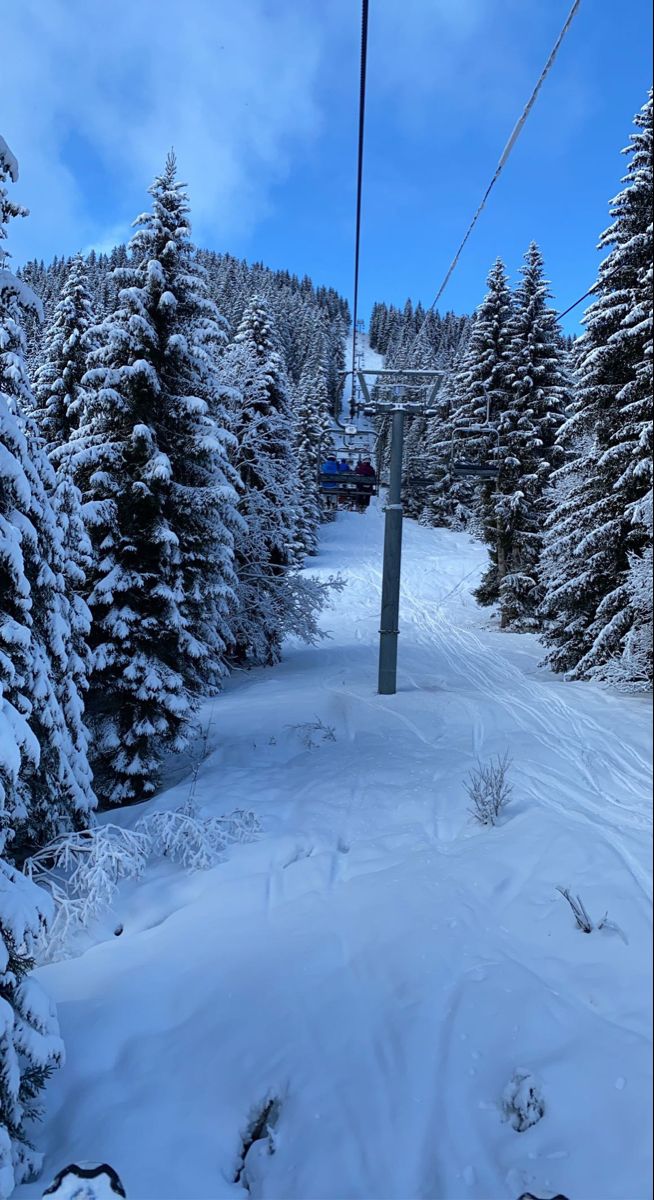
401, 376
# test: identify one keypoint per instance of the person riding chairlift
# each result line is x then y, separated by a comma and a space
343, 467
366, 471
330, 467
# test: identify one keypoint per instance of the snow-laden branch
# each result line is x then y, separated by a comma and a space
82, 871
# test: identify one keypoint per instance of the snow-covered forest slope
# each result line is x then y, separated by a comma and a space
376, 962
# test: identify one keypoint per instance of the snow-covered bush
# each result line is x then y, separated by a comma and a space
489, 789
193, 841
81, 871
312, 733
522, 1101
584, 921
258, 1143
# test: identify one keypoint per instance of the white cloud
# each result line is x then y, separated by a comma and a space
95, 92
231, 84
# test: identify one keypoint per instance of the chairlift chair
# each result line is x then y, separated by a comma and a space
347, 487
466, 466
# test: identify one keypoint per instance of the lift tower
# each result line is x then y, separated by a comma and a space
399, 383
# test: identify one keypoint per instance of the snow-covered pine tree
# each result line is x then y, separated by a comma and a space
442, 502
295, 305
29, 1044
59, 402
273, 599
515, 512
312, 431
598, 603
64, 358
441, 505
335, 363
419, 354
39, 636
414, 465
151, 461
479, 388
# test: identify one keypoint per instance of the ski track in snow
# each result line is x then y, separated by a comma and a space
376, 960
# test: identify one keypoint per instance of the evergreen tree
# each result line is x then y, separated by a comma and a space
270, 590
150, 457
478, 391
29, 1044
515, 512
312, 428
39, 656
296, 306
599, 539
443, 504
420, 355
335, 363
63, 362
59, 401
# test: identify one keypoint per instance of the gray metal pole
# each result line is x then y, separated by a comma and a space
390, 605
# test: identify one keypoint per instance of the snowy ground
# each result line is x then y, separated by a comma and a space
370, 361
377, 961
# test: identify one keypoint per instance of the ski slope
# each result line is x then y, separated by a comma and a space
371, 360
376, 961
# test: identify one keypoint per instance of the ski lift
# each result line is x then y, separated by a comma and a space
465, 464
417, 485
346, 488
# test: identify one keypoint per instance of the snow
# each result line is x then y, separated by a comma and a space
28, 299
395, 976
370, 361
9, 160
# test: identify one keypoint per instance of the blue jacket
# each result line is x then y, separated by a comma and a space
329, 467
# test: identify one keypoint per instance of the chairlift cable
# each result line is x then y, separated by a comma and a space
357, 229
570, 307
517, 129
605, 278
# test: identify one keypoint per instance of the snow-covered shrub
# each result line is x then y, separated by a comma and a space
522, 1101
489, 789
30, 1046
81, 871
258, 1143
312, 733
193, 841
583, 920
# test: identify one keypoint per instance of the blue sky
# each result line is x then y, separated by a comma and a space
259, 99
